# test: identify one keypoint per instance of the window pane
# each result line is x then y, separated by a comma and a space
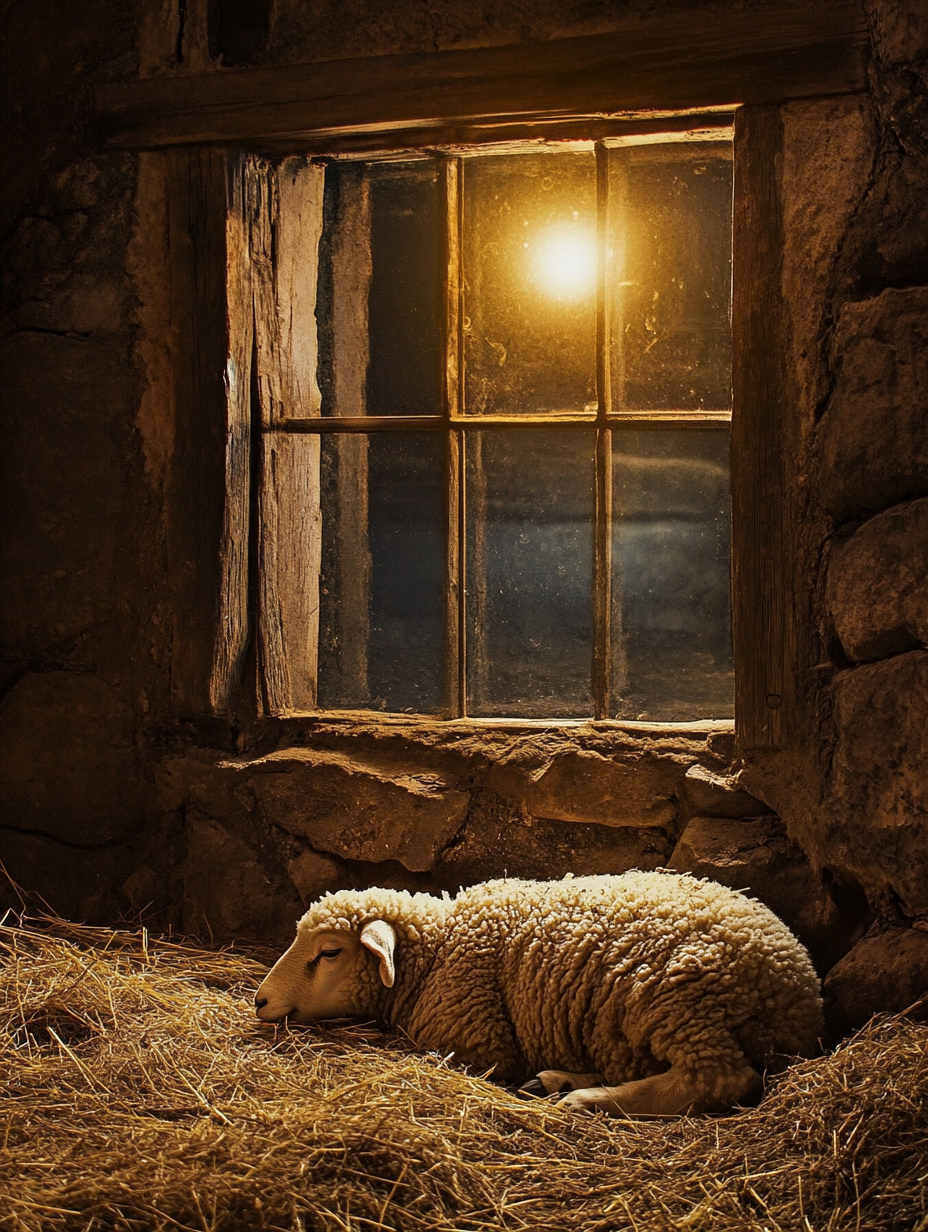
381, 614
671, 271
529, 283
529, 572
380, 290
671, 533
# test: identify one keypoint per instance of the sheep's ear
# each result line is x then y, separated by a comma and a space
380, 938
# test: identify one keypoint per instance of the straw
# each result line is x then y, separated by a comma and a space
140, 1092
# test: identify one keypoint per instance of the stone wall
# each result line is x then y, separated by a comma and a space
854, 794
115, 804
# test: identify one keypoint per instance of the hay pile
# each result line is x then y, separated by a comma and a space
139, 1092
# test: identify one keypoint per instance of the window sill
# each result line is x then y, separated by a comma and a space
357, 720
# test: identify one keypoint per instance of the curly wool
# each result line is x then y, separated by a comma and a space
621, 975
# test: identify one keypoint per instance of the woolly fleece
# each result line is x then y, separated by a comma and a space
615, 974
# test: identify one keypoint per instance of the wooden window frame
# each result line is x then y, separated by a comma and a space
229, 356
453, 422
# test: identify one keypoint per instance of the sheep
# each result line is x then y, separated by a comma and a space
645, 993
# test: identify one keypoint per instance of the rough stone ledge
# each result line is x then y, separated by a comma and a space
720, 795
353, 809
584, 786
526, 741
420, 804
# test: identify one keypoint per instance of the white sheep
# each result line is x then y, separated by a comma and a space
643, 993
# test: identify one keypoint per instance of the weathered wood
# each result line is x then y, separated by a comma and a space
360, 423
674, 418
602, 535
296, 248
232, 633
455, 641
764, 628
696, 418
198, 565
697, 58
696, 124
289, 559
454, 702
286, 222
602, 579
475, 654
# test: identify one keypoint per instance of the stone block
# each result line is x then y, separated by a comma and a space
226, 893
67, 764
142, 889
827, 157
874, 434
886, 973
583, 786
719, 795
64, 486
877, 806
900, 30
878, 584
201, 777
501, 840
356, 810
76, 883
314, 875
756, 855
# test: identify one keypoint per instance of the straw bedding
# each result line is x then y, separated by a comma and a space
139, 1092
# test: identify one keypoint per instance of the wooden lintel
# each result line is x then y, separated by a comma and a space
701, 58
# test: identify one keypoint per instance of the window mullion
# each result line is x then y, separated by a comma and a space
455, 635
602, 566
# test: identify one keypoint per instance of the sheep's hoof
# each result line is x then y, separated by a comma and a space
533, 1089
589, 1101
549, 1082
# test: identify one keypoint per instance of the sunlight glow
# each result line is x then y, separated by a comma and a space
564, 260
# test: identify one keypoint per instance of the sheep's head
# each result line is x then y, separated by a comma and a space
329, 973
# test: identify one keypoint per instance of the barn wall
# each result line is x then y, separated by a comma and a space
117, 800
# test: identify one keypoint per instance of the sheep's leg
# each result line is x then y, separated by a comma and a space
675, 1091
557, 1081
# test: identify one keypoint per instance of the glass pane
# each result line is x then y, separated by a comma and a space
671, 244
671, 533
529, 283
381, 617
380, 290
529, 572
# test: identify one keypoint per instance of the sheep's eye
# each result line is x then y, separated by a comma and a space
313, 964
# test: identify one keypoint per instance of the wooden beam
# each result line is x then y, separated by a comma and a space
207, 624
698, 58
233, 629
763, 617
454, 689
602, 534
284, 232
455, 138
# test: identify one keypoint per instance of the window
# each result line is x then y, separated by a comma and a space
520, 482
